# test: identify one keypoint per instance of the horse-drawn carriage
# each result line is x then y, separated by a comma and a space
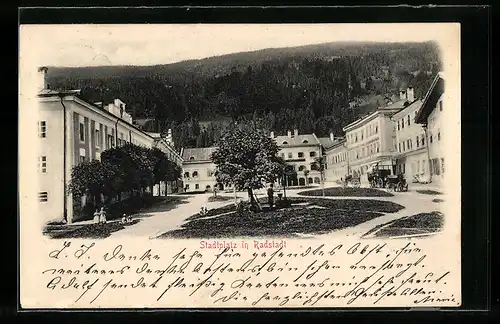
350, 181
378, 177
396, 183
381, 177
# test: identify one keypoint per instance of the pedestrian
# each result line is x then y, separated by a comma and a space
129, 219
102, 219
270, 195
96, 216
124, 219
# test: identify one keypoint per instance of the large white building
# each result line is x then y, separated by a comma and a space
300, 151
71, 131
371, 139
430, 117
335, 152
410, 144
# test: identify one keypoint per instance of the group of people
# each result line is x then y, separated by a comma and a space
100, 216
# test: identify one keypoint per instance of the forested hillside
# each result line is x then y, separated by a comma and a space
316, 88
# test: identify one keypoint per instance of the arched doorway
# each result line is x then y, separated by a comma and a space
310, 180
302, 182
221, 186
316, 180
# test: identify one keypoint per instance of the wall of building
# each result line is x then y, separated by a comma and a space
51, 147
198, 176
336, 159
410, 144
435, 141
292, 156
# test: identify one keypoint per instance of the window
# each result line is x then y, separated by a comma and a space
82, 132
42, 129
376, 129
305, 141
430, 139
402, 123
398, 125
362, 134
43, 196
439, 135
97, 138
356, 138
290, 155
423, 140
408, 120
442, 165
191, 158
82, 158
284, 142
187, 187
111, 141
302, 168
441, 105
312, 154
418, 166
210, 173
186, 174
196, 186
377, 148
42, 165
283, 156
119, 142
301, 154
418, 142
195, 174
409, 144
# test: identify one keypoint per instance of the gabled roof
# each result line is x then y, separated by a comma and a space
299, 140
432, 96
198, 154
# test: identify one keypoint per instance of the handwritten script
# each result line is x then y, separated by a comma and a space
367, 274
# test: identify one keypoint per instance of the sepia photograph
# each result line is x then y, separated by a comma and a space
241, 137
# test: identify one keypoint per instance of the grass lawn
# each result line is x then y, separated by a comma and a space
90, 231
221, 198
429, 192
306, 216
424, 223
347, 192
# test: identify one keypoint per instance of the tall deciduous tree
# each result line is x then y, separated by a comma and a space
247, 159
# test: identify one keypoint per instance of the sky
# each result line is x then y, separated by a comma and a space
146, 44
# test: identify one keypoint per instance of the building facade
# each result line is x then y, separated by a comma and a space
430, 117
336, 160
410, 144
371, 140
71, 131
300, 151
198, 170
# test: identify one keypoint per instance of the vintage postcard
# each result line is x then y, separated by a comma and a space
239, 166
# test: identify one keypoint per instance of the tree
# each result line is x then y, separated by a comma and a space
319, 165
247, 159
306, 173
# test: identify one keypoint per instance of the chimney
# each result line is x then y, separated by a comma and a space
410, 94
331, 137
296, 132
289, 134
42, 76
402, 95
272, 134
